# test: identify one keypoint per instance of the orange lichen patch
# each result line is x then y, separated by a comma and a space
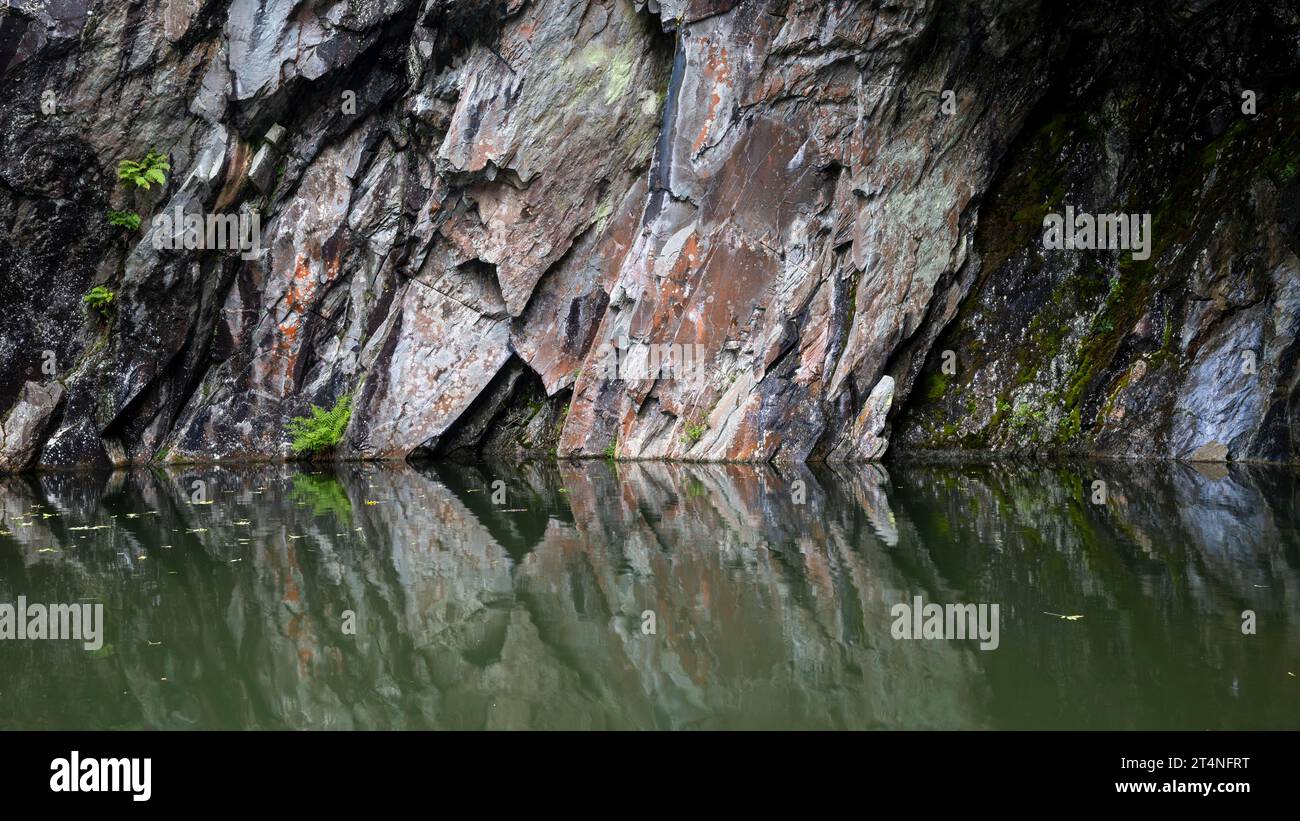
301, 287
717, 75
689, 257
297, 301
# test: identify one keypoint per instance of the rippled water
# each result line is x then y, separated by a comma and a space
770, 593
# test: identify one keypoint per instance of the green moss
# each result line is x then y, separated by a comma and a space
1210, 154
1025, 416
1068, 428
936, 385
619, 77
1021, 201
851, 307
1289, 172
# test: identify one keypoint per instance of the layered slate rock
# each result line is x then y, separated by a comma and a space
465, 205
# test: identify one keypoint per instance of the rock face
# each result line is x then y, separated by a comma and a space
465, 206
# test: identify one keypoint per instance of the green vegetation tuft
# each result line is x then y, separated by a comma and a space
694, 433
99, 299
129, 220
146, 172
322, 430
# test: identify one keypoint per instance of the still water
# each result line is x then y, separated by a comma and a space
364, 596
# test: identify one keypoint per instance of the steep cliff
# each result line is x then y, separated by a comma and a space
467, 208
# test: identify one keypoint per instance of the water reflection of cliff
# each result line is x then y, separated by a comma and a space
771, 596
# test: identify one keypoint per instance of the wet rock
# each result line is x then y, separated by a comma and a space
811, 198
1209, 452
868, 439
23, 428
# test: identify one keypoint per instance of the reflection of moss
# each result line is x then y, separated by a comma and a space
324, 493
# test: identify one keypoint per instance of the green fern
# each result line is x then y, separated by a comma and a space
694, 433
322, 430
129, 220
99, 299
146, 172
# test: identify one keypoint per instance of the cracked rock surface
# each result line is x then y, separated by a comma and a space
464, 204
